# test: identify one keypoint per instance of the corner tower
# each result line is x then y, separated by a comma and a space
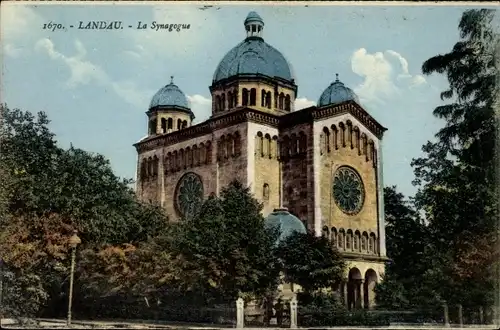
169, 110
253, 74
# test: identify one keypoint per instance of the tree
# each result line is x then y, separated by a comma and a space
456, 177
225, 249
49, 191
310, 261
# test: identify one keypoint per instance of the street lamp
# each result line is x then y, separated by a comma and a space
73, 243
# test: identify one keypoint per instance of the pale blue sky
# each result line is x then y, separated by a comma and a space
96, 85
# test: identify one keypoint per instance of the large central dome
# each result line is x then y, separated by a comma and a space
254, 56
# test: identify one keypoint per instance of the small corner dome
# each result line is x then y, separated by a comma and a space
337, 93
286, 222
169, 96
253, 56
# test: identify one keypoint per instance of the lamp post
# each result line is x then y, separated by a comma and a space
73, 243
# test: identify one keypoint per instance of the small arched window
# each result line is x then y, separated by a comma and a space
265, 192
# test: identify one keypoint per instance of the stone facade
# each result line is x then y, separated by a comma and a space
288, 159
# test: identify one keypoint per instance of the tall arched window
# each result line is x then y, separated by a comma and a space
208, 159
268, 100
267, 146
237, 144
263, 98
253, 96
258, 144
203, 153
230, 100
179, 124
217, 103
196, 155
170, 123
223, 102
163, 125
245, 96
281, 100
288, 103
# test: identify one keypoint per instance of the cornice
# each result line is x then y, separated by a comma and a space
364, 257
244, 114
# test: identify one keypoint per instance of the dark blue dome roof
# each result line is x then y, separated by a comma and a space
170, 95
286, 222
254, 56
337, 93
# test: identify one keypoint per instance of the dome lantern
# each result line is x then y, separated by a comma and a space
254, 25
337, 93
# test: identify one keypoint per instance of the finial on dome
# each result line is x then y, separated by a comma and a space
336, 77
254, 25
172, 79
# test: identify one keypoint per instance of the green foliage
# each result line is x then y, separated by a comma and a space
456, 177
23, 294
310, 261
226, 248
45, 193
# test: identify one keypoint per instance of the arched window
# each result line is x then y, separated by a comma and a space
267, 146
163, 125
274, 147
364, 143
355, 244
265, 192
166, 163
258, 144
340, 239
208, 159
285, 147
326, 136
237, 144
184, 124
356, 139
348, 240
302, 143
281, 100
229, 146
288, 104
189, 154
144, 170
203, 153
326, 232
342, 134
349, 134
293, 144
196, 155
268, 100
217, 103
253, 96
179, 124
175, 161
371, 244
223, 102
364, 242
263, 98
334, 237
245, 97
170, 123
235, 98
335, 136
182, 160
230, 100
